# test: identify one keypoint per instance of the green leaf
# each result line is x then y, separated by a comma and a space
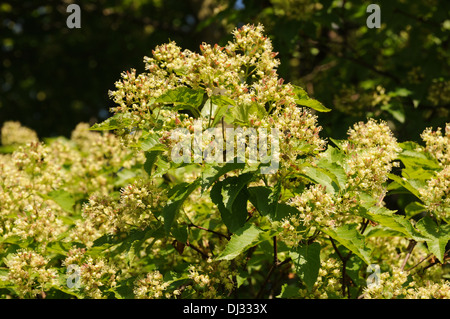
396, 110
302, 98
313, 104
150, 159
414, 208
63, 198
437, 236
183, 98
239, 114
348, 236
150, 142
117, 121
332, 160
216, 107
387, 218
180, 232
413, 158
213, 173
240, 241
259, 197
124, 176
300, 93
177, 196
306, 260
266, 201
289, 291
231, 196
381, 231
321, 176
406, 184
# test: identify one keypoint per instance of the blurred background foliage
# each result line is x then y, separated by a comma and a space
53, 77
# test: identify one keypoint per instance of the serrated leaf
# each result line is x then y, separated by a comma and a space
289, 291
321, 176
332, 161
240, 114
220, 104
387, 218
406, 184
183, 98
348, 236
114, 122
259, 197
150, 159
313, 104
436, 236
413, 158
231, 196
63, 198
306, 259
414, 208
213, 173
302, 98
177, 196
123, 176
240, 241
266, 201
151, 143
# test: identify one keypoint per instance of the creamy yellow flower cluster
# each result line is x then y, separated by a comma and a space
437, 193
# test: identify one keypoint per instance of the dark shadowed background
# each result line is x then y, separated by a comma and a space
53, 77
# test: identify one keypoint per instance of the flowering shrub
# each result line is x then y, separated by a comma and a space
108, 213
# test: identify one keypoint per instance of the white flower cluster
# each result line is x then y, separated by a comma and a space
395, 285
13, 133
371, 149
436, 195
28, 271
93, 273
106, 214
438, 144
244, 70
151, 286
316, 207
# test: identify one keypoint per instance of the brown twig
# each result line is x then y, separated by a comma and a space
204, 255
210, 230
276, 264
344, 266
412, 244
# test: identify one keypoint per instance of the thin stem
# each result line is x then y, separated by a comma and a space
344, 266
421, 261
204, 255
275, 251
209, 230
412, 244
364, 225
272, 268
276, 263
